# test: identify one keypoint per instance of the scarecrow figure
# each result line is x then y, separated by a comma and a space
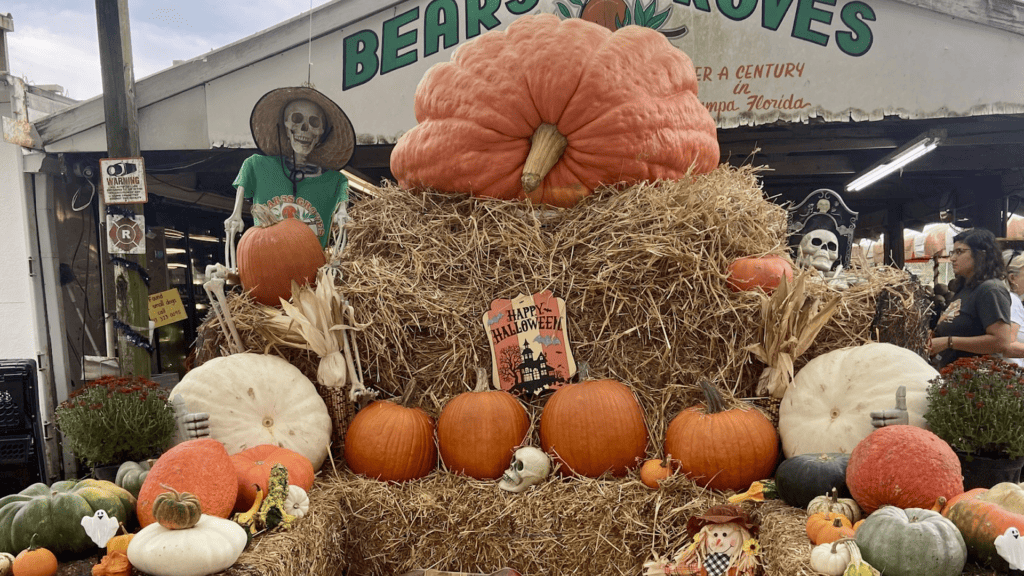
305, 140
724, 544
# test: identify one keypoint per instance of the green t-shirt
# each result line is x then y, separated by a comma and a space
266, 182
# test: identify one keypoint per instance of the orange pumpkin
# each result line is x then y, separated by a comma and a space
653, 471
119, 543
201, 467
593, 427
719, 448
276, 252
827, 527
253, 469
982, 514
478, 431
34, 561
391, 442
549, 109
765, 272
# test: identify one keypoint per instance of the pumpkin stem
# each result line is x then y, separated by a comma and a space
264, 216
483, 383
940, 503
840, 541
583, 371
410, 388
713, 398
546, 147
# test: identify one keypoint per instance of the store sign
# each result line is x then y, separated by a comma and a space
123, 180
166, 308
126, 234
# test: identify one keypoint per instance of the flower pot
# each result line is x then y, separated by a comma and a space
108, 472
982, 472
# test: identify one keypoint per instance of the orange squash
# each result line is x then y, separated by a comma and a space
827, 527
274, 253
982, 514
719, 448
478, 431
201, 467
390, 441
593, 427
653, 471
549, 109
253, 467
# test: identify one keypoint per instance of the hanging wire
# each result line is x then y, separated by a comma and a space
309, 68
79, 207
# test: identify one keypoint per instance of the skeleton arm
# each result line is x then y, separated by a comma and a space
341, 218
233, 226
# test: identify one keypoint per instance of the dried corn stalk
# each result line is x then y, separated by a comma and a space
791, 321
321, 320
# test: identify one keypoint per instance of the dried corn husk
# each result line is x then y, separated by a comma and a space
791, 321
321, 320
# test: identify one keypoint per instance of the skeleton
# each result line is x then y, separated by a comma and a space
214, 288
190, 425
529, 466
305, 124
819, 249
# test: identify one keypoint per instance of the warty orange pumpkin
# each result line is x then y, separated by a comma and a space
549, 109
201, 467
478, 431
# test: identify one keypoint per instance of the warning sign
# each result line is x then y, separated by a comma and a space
126, 234
124, 180
165, 308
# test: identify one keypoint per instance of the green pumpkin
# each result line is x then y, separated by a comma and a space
131, 475
911, 542
54, 513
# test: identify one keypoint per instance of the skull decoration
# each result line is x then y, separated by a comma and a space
529, 466
304, 121
818, 249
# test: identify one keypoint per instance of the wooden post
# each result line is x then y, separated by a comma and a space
893, 244
130, 294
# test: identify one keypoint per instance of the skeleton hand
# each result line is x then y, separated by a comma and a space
233, 226
898, 415
191, 425
341, 219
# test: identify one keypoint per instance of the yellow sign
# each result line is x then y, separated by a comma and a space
165, 308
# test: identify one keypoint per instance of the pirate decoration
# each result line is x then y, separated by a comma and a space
305, 140
529, 466
529, 341
724, 544
821, 231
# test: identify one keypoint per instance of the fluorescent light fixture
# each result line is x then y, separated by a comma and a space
898, 159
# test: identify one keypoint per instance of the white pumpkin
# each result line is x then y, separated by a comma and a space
296, 502
828, 408
212, 545
255, 399
6, 562
832, 558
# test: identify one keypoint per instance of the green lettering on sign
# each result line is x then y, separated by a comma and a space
858, 40
740, 12
805, 13
480, 13
390, 59
440, 19
698, 4
359, 55
772, 13
518, 7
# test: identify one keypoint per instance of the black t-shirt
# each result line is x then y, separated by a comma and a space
971, 311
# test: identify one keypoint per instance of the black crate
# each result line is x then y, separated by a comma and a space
19, 397
20, 463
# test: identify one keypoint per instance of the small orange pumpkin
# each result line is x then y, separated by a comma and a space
119, 543
765, 272
827, 527
478, 431
253, 467
654, 470
276, 252
34, 561
390, 441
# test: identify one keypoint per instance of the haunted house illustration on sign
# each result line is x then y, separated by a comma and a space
529, 343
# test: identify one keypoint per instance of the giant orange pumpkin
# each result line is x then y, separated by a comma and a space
550, 109
391, 442
253, 467
201, 467
478, 431
594, 427
274, 253
722, 449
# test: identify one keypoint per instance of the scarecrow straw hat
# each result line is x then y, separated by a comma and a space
721, 514
271, 137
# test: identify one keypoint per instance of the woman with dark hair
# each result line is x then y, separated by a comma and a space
977, 319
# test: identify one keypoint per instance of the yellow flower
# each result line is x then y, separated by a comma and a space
751, 546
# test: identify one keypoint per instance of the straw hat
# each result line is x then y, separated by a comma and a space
720, 515
268, 131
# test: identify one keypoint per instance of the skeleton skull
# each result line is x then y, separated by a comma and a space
304, 121
818, 249
529, 466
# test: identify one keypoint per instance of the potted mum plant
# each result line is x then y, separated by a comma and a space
116, 418
976, 405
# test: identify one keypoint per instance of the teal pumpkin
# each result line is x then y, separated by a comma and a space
803, 478
54, 514
131, 475
911, 542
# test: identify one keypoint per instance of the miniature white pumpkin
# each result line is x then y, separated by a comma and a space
255, 399
6, 561
828, 408
212, 545
832, 558
297, 501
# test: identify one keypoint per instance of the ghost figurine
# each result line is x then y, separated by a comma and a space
1010, 547
529, 466
100, 527
819, 249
